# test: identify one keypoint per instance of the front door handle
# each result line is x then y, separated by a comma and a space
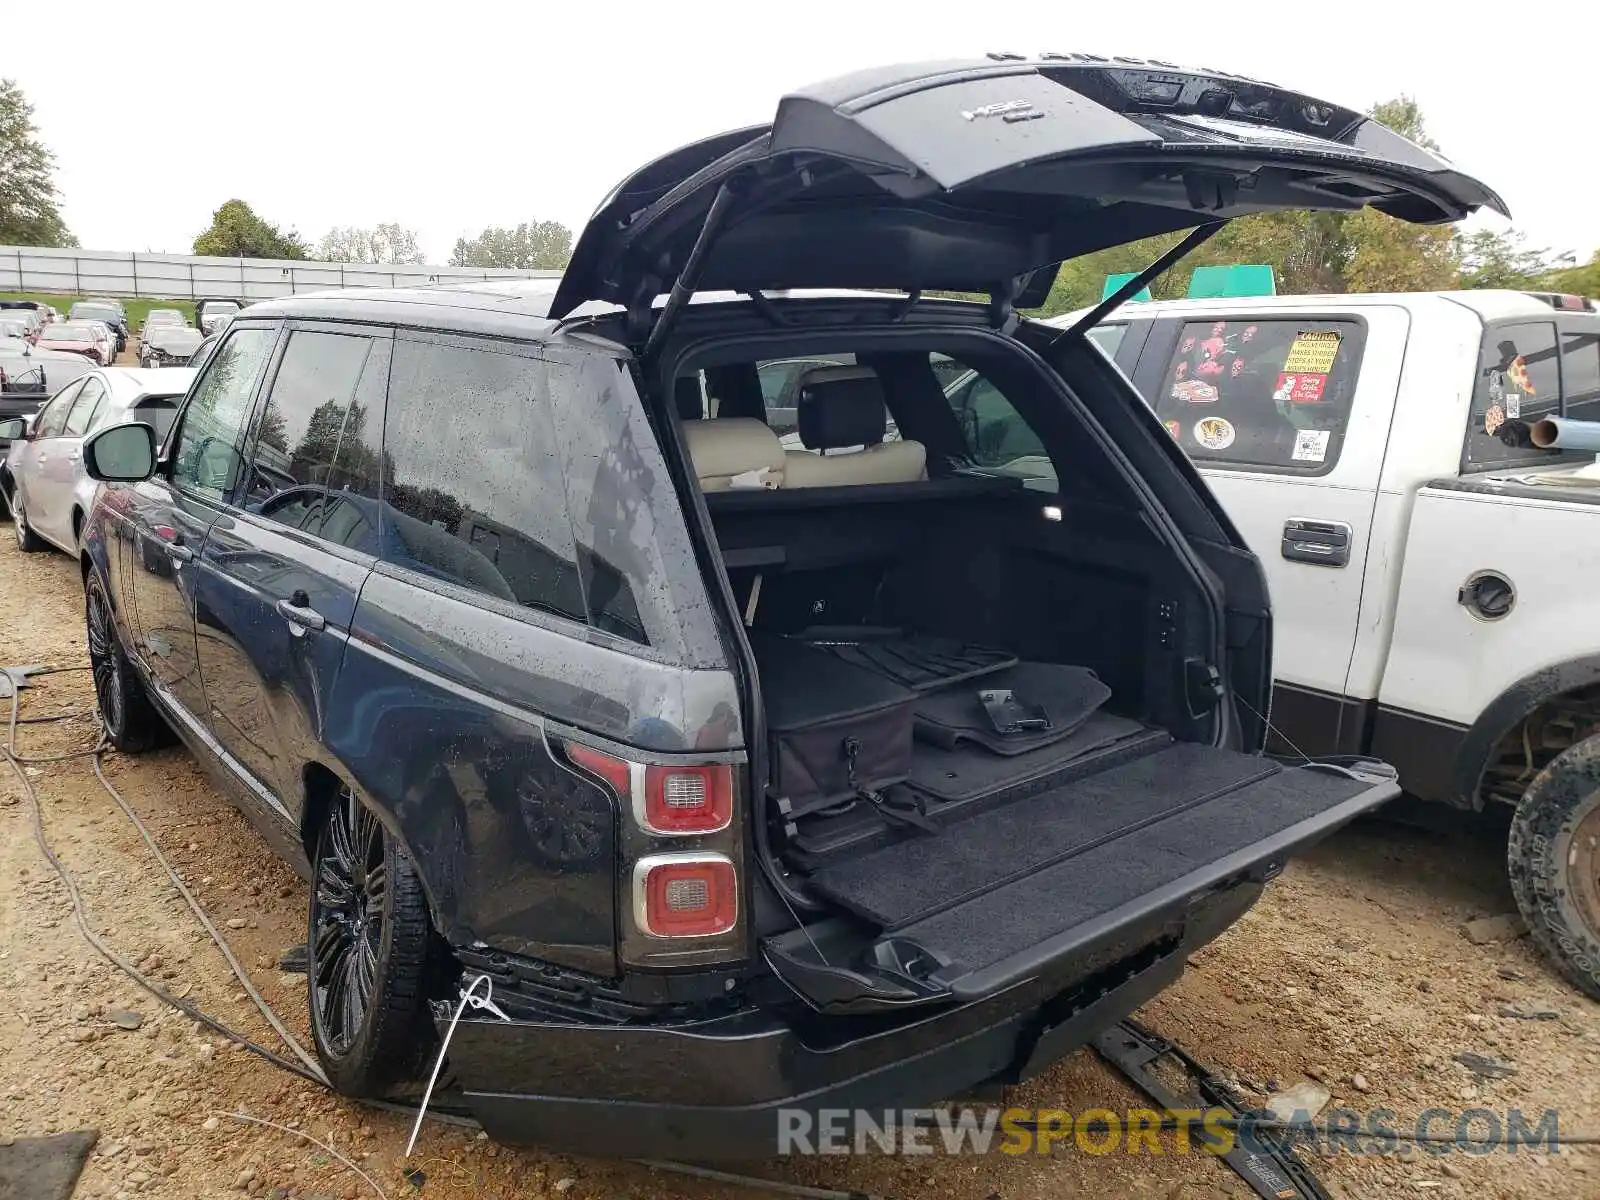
1320, 543
301, 616
177, 552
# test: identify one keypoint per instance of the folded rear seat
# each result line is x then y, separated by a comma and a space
734, 453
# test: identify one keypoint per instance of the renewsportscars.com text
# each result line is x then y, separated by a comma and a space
1438, 1131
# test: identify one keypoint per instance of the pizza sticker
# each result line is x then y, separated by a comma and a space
1311, 445
1312, 353
1193, 391
1493, 419
1517, 373
1300, 389
1175, 428
1214, 433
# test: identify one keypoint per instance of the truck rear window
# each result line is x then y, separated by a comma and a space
1526, 371
1269, 393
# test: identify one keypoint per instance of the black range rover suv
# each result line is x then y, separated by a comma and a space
857, 770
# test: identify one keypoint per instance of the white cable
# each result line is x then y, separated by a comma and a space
468, 996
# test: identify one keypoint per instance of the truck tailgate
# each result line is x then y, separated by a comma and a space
1027, 888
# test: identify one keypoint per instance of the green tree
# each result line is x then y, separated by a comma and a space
1504, 260
542, 245
237, 232
28, 212
1581, 280
388, 243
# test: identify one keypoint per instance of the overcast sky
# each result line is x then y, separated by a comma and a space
447, 117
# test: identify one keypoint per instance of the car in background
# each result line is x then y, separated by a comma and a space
109, 311
213, 316
92, 339
43, 477
28, 378
157, 317
168, 345
14, 329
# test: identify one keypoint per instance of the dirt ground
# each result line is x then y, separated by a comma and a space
1354, 964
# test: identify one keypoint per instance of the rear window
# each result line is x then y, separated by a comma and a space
1262, 393
1527, 371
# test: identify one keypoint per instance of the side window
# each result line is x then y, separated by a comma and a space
1518, 380
995, 433
299, 428
1108, 338
1580, 376
472, 488
207, 457
53, 418
90, 400
1272, 394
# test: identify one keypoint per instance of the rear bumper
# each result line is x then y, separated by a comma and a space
724, 1088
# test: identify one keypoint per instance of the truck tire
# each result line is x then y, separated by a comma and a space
372, 954
1554, 860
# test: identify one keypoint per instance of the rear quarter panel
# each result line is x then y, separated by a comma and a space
1445, 662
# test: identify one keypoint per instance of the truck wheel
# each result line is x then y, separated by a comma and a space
131, 722
1554, 861
372, 954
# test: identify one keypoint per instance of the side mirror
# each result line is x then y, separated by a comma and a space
14, 430
121, 454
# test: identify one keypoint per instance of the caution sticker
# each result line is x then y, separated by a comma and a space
1192, 391
1311, 445
1312, 353
1214, 433
1300, 389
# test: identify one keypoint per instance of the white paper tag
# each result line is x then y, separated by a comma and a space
1311, 445
747, 480
1513, 405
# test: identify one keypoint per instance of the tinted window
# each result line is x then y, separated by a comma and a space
1580, 376
473, 490
1108, 338
298, 431
89, 402
995, 433
158, 413
1518, 380
53, 417
207, 458
780, 385
1262, 393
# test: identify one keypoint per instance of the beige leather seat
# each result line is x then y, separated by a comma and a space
734, 453
843, 418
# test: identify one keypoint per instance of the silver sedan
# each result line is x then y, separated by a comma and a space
43, 474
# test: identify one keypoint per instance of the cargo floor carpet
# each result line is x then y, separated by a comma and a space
1119, 827
967, 772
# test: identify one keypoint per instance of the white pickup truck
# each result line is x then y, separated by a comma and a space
1435, 584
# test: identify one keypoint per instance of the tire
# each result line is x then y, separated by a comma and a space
1553, 856
373, 955
131, 722
28, 541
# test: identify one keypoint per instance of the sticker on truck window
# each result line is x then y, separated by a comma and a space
1513, 404
1175, 428
1312, 353
1192, 391
1493, 419
1311, 445
1300, 389
1214, 433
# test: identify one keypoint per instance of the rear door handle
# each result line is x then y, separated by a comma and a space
1320, 543
302, 616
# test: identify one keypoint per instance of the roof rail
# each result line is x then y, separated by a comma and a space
1565, 301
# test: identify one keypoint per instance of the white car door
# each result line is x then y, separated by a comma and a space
1286, 412
56, 474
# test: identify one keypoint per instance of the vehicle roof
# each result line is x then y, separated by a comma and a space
1489, 304
507, 307
129, 385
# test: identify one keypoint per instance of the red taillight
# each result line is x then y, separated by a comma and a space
685, 895
613, 770
688, 799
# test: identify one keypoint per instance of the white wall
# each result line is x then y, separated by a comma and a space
192, 277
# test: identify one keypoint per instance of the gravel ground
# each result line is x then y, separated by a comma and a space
1354, 970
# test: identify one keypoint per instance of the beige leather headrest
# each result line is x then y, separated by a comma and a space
734, 452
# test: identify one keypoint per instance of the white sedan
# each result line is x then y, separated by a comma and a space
43, 472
